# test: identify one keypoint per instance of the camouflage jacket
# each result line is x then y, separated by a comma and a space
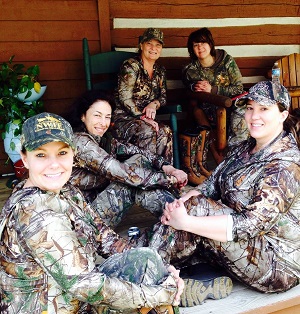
262, 193
136, 90
224, 75
94, 167
47, 256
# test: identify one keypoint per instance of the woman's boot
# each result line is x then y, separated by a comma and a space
193, 148
163, 309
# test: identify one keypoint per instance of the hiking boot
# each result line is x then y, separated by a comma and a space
163, 309
196, 291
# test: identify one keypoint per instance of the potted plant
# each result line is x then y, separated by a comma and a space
19, 99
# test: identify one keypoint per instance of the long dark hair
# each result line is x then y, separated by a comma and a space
83, 103
202, 35
292, 123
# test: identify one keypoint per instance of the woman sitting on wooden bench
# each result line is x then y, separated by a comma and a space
141, 92
215, 72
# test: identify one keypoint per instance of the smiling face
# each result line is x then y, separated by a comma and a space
151, 49
49, 166
97, 118
202, 50
264, 122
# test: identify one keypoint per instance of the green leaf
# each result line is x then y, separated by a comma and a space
12, 145
29, 93
23, 89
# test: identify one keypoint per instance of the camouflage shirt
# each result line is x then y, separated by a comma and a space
136, 90
264, 190
48, 249
261, 192
224, 75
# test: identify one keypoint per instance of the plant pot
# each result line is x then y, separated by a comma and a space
34, 96
12, 144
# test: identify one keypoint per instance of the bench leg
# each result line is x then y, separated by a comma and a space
174, 128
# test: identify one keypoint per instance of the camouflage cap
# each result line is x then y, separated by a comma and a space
45, 128
152, 33
267, 93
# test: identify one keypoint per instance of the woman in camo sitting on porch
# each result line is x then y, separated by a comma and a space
110, 185
50, 238
141, 91
245, 216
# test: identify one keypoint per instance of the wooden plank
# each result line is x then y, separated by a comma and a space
64, 89
245, 35
60, 106
204, 9
36, 10
47, 31
58, 70
46, 51
104, 25
64, 50
243, 300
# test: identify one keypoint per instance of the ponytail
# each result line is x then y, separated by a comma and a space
292, 124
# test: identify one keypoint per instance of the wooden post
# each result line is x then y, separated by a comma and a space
104, 25
221, 128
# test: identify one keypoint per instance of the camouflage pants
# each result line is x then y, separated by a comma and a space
143, 135
251, 260
117, 198
140, 266
115, 201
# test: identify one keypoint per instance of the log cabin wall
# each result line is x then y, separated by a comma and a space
255, 33
50, 32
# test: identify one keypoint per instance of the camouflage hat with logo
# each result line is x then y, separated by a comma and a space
45, 128
266, 93
152, 33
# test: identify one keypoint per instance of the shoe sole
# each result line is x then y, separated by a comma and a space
196, 291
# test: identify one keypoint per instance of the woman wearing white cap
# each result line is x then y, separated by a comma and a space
141, 91
246, 215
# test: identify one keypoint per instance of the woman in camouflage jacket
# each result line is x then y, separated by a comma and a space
141, 91
245, 216
50, 238
112, 186
213, 71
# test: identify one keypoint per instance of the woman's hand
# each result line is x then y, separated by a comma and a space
150, 109
175, 215
181, 176
189, 194
151, 122
202, 86
179, 282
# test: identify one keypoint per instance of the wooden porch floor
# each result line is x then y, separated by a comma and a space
241, 301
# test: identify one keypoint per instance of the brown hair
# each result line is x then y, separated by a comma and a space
292, 123
202, 35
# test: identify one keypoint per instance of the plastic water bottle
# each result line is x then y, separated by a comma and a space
133, 233
276, 73
276, 80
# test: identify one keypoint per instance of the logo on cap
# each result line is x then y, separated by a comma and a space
47, 123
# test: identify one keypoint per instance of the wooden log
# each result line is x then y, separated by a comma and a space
204, 9
214, 99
